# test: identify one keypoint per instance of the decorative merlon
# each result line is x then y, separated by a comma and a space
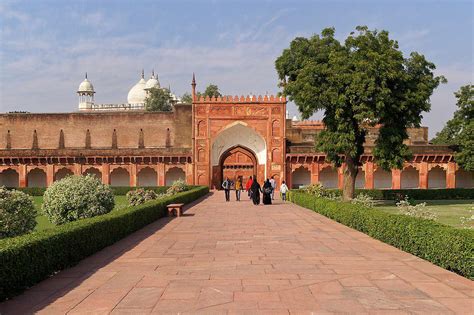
242, 99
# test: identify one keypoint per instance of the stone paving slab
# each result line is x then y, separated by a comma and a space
236, 258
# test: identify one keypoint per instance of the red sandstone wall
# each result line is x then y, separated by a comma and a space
101, 126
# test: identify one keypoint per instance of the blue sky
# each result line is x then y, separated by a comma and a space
46, 46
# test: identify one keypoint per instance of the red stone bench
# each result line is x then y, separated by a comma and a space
175, 208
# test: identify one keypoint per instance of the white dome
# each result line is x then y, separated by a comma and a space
85, 86
152, 82
137, 93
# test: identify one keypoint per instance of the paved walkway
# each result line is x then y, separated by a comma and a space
237, 258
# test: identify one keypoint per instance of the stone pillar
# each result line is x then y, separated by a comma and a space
314, 173
49, 174
22, 176
77, 169
340, 176
423, 175
451, 175
189, 173
161, 174
289, 173
396, 179
369, 175
133, 175
106, 173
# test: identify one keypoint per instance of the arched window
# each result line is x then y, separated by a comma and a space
328, 177
382, 179
93, 171
276, 128
437, 177
9, 178
201, 155
119, 177
301, 177
276, 156
201, 128
147, 177
173, 174
410, 178
36, 178
61, 173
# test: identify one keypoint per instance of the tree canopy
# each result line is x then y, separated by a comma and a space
360, 83
459, 131
187, 98
212, 90
158, 100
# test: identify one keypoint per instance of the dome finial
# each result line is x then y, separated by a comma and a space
143, 73
86, 75
152, 72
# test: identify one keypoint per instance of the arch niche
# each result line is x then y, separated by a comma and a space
9, 178
62, 173
242, 138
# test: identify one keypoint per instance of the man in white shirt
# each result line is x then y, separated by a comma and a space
273, 183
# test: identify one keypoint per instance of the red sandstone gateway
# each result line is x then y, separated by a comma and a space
203, 143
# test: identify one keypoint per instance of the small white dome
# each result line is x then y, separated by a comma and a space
85, 86
152, 82
137, 93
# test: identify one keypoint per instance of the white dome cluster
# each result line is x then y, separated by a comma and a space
135, 99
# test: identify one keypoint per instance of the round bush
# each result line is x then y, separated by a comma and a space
77, 197
17, 213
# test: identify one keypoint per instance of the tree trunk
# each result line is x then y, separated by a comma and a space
350, 174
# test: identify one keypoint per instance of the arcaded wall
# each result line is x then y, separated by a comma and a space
132, 129
303, 132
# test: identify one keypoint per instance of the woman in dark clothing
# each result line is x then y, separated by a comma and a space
255, 192
267, 193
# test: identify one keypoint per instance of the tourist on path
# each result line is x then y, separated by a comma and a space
248, 185
283, 190
238, 188
273, 183
255, 192
226, 186
267, 192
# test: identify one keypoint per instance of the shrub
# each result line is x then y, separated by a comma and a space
443, 245
416, 194
364, 200
17, 213
417, 210
176, 187
77, 197
28, 259
138, 196
316, 190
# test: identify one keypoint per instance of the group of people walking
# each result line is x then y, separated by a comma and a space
254, 189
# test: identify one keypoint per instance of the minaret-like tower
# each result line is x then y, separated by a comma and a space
193, 84
86, 94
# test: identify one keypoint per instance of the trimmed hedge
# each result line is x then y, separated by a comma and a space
417, 194
118, 191
445, 246
28, 259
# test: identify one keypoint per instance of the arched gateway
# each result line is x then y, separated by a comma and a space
238, 137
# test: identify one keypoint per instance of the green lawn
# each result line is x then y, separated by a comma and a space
42, 222
449, 211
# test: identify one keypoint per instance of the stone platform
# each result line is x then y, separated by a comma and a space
226, 258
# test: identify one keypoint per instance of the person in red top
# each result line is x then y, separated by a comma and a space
248, 185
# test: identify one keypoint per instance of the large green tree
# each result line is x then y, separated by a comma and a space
459, 131
364, 82
212, 90
158, 100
